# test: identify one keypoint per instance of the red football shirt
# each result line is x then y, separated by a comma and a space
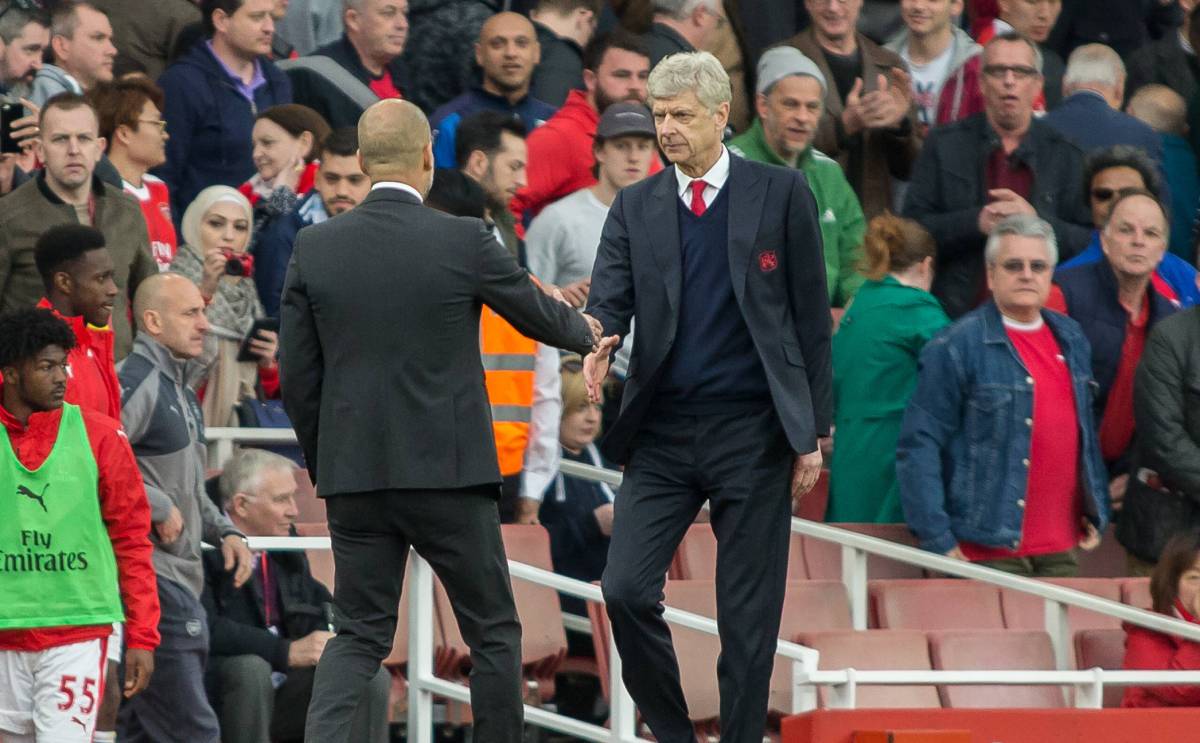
1052, 504
156, 208
383, 87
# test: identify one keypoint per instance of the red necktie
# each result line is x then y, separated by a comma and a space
698, 205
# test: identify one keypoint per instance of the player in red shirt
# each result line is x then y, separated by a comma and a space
130, 114
74, 549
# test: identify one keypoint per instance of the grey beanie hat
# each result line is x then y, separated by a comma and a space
779, 62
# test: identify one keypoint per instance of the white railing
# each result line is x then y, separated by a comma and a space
1088, 684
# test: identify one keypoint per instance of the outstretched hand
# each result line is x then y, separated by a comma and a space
595, 366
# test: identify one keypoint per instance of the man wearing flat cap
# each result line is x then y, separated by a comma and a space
790, 102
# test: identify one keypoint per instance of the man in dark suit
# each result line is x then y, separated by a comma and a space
720, 261
382, 378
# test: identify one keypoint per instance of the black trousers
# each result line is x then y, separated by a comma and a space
741, 464
458, 532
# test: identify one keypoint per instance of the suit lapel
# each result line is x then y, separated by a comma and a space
746, 191
662, 227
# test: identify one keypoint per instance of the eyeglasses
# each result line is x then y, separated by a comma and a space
1019, 71
160, 123
1016, 266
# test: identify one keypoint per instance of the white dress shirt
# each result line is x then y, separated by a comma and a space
399, 186
715, 178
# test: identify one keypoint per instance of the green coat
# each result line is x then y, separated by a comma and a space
841, 217
874, 372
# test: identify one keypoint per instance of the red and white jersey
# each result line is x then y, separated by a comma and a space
156, 208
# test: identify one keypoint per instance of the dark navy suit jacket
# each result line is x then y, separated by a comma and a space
1087, 120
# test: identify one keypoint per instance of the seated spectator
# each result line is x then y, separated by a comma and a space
268, 633
339, 186
81, 45
1016, 162
988, 471
615, 68
564, 28
1108, 173
1090, 114
216, 232
491, 151
146, 39
1164, 485
790, 105
1117, 305
66, 192
681, 26
1166, 113
212, 96
578, 513
506, 52
24, 36
368, 53
935, 49
870, 123
875, 354
1175, 592
286, 140
131, 123
1170, 61
1032, 19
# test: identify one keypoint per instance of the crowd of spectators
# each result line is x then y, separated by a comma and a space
1009, 243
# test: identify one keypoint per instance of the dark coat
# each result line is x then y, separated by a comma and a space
1163, 62
949, 188
561, 68
327, 99
236, 620
1087, 120
379, 345
662, 40
638, 273
211, 123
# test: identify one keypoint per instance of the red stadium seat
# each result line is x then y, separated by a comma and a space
1136, 592
1102, 648
935, 604
1026, 611
696, 558
697, 651
877, 650
808, 606
994, 650
823, 560
310, 507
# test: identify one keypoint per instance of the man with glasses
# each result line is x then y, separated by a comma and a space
682, 26
998, 459
1027, 168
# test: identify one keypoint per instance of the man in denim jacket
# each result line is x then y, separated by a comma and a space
998, 459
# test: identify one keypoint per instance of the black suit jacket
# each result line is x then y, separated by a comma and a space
379, 348
777, 266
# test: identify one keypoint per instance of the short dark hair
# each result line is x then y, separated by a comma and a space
27, 332
67, 101
563, 7
296, 119
1177, 558
15, 16
1122, 156
64, 19
341, 142
208, 7
63, 244
120, 103
618, 38
454, 192
482, 131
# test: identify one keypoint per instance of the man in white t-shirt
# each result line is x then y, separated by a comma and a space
934, 48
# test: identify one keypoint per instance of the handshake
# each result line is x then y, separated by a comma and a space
595, 364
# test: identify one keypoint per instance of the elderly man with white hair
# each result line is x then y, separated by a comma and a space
998, 458
681, 26
1090, 114
729, 390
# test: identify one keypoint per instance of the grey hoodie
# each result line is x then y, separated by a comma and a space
964, 49
166, 430
49, 82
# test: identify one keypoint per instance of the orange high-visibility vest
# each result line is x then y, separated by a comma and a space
508, 362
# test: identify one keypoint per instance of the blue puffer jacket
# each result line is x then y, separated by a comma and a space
210, 124
965, 439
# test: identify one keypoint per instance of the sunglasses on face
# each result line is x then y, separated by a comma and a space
1103, 194
1016, 266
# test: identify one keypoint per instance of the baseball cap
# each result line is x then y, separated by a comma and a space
784, 61
625, 119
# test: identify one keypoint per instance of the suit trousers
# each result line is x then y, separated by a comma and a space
458, 532
740, 462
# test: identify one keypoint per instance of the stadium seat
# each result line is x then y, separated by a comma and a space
697, 651
696, 558
994, 650
935, 604
808, 606
1026, 611
1102, 648
310, 507
813, 504
1136, 592
876, 650
823, 560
